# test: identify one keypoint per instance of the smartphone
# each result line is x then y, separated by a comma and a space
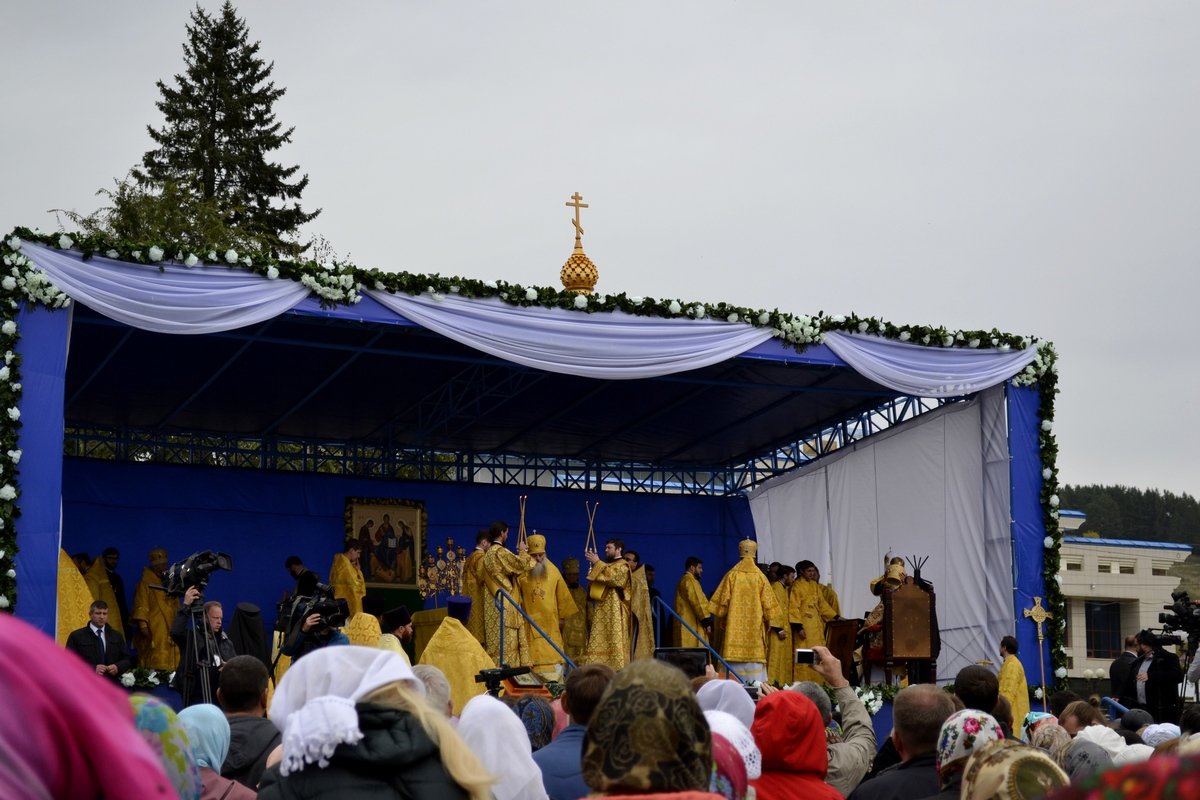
806, 656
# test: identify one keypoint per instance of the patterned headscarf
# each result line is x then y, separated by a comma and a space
1081, 758
729, 770
1160, 778
962, 734
647, 734
1051, 737
538, 718
1032, 720
1009, 770
161, 729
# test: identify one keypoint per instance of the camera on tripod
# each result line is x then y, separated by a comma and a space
322, 602
195, 571
1184, 616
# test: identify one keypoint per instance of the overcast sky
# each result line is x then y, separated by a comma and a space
1029, 166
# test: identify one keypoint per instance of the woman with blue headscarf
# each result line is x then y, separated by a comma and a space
208, 733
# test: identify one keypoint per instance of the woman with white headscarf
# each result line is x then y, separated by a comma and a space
355, 724
496, 734
208, 733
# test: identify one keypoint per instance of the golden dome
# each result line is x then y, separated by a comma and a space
579, 274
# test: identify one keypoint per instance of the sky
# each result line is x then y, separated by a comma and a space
1033, 167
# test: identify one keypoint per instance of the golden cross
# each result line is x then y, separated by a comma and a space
1038, 615
576, 204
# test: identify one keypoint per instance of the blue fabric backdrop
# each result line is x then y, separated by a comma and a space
1027, 526
262, 517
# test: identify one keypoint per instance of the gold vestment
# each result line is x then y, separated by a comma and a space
1014, 687
692, 607
547, 602
745, 601
807, 607
608, 641
457, 653
473, 587
74, 598
153, 607
348, 583
501, 568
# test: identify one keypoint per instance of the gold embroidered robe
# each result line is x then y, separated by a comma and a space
807, 607
575, 627
153, 607
831, 597
457, 653
348, 583
780, 653
745, 601
501, 569
101, 587
547, 602
1014, 687
363, 629
642, 619
473, 587
388, 641
609, 639
74, 598
692, 607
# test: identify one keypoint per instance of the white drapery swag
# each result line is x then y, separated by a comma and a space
612, 345
178, 299
921, 371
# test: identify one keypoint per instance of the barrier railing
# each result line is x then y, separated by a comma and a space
704, 642
503, 597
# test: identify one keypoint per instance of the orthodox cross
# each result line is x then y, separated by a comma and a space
1039, 615
576, 204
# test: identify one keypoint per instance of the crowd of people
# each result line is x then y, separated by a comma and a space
351, 714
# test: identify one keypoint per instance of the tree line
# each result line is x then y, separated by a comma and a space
1125, 512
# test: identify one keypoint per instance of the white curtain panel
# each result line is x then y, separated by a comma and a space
936, 486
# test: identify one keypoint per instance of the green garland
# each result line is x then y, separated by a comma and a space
342, 283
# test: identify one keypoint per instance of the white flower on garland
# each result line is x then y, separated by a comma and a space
8, 328
732, 317
14, 243
674, 308
231, 256
1038, 693
947, 340
1054, 501
872, 699
137, 254
764, 318
581, 301
1060, 673
9, 283
3, 601
4, 373
156, 253
7, 492
14, 413
905, 336
1048, 542
862, 327
15, 455
272, 273
1047, 425
973, 343
531, 294
191, 260
1047, 474
12, 573
112, 253
65, 242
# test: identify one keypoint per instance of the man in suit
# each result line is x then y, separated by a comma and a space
100, 645
1118, 672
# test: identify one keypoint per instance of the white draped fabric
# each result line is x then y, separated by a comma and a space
922, 371
611, 345
177, 299
927, 487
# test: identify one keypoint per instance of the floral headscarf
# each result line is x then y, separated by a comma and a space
1051, 737
962, 734
647, 734
161, 729
538, 718
729, 770
1032, 720
1160, 778
1009, 770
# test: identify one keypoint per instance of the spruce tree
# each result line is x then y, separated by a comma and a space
221, 130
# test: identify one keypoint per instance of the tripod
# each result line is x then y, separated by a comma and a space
199, 647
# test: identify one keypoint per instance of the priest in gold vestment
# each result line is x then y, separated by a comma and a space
346, 577
101, 587
152, 614
641, 618
74, 597
780, 653
575, 627
548, 603
454, 651
501, 569
396, 628
746, 603
691, 605
808, 612
609, 640
1012, 680
473, 584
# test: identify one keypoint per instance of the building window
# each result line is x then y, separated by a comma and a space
1125, 569
1160, 570
1074, 566
1105, 567
1102, 618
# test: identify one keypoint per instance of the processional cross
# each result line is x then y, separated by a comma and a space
577, 204
1039, 615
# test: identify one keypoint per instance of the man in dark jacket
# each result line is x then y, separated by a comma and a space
201, 647
559, 761
242, 695
1118, 671
99, 645
1153, 682
918, 714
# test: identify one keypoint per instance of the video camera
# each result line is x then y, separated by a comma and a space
1184, 616
322, 602
492, 677
194, 571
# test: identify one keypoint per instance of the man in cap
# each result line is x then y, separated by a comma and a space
745, 601
458, 654
575, 627
397, 628
152, 614
548, 603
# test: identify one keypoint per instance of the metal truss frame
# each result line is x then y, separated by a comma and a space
375, 461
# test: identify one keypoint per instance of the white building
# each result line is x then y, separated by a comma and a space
1113, 588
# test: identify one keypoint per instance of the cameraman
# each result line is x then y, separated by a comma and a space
207, 649
317, 629
1153, 681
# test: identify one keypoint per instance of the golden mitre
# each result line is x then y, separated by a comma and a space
747, 548
536, 544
